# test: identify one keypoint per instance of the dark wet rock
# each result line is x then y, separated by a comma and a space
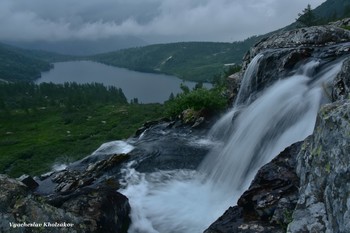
70, 180
341, 84
232, 221
102, 207
273, 181
92, 193
165, 147
149, 124
268, 204
104, 166
28, 181
19, 205
87, 198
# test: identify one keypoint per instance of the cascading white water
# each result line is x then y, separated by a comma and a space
172, 201
221, 129
285, 114
187, 201
245, 88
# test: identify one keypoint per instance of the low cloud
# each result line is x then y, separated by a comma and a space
154, 20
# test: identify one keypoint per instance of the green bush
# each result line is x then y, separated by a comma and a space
210, 100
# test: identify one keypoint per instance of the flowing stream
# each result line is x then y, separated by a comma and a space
189, 200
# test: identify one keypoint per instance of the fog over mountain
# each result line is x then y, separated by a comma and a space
140, 22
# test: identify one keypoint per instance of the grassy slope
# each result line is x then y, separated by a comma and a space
32, 143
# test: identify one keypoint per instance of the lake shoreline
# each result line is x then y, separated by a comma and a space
140, 86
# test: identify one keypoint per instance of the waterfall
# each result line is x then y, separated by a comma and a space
222, 128
187, 201
284, 114
245, 89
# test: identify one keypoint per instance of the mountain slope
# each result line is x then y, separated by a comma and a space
25, 65
333, 10
200, 61
197, 61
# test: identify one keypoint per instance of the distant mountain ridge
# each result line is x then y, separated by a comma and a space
25, 65
201, 61
196, 61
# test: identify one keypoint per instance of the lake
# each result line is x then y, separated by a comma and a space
146, 87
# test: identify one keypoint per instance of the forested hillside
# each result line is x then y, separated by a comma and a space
196, 61
25, 65
332, 10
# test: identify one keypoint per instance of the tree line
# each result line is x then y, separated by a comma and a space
30, 96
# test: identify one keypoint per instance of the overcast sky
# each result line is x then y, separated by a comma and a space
151, 20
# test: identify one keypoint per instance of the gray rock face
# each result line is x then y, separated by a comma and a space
324, 170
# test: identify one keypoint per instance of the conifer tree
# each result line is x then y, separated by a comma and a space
307, 17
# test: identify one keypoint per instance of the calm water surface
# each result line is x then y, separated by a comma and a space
147, 87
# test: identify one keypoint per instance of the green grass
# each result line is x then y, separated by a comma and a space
32, 142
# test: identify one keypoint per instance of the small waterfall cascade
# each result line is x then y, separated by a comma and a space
245, 89
222, 128
187, 201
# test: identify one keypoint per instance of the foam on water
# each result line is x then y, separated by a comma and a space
172, 201
113, 147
